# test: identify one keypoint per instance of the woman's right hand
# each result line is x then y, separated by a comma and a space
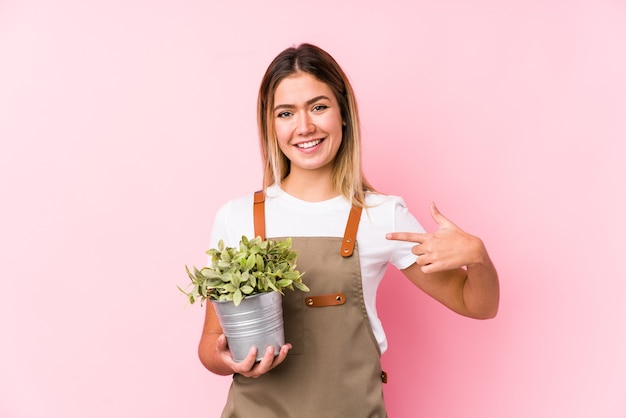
249, 367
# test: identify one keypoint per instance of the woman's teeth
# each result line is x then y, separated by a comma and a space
309, 144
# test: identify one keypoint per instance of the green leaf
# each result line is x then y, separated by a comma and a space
237, 297
195, 293
301, 286
210, 273
250, 262
230, 288
236, 279
284, 283
272, 285
202, 291
191, 276
260, 264
179, 288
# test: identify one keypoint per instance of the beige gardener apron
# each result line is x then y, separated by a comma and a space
333, 369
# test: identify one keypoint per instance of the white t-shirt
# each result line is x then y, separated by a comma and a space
287, 216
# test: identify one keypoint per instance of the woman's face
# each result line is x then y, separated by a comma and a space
307, 122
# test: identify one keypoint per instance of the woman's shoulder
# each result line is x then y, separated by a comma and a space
243, 203
238, 204
232, 220
382, 209
377, 199
391, 212
239, 200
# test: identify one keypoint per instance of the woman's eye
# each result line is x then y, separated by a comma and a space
283, 115
319, 108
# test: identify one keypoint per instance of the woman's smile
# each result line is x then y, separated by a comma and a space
309, 144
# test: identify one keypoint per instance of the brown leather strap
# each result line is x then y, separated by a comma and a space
259, 214
349, 237
333, 299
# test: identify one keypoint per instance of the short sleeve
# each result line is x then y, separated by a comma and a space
404, 221
220, 227
232, 221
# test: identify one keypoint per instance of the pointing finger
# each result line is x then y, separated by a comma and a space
406, 236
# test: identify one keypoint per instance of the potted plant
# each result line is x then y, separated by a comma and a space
245, 285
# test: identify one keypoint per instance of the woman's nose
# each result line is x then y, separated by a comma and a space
305, 124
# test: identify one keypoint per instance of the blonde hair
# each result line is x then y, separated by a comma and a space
348, 176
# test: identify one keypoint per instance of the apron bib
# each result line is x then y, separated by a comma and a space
333, 369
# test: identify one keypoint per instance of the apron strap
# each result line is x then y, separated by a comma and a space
259, 214
349, 236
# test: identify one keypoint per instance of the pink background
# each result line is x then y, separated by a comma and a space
125, 124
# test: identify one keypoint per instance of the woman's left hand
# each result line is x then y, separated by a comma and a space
447, 248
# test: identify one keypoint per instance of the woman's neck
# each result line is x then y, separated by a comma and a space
310, 187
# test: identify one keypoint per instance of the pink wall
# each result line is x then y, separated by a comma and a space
125, 124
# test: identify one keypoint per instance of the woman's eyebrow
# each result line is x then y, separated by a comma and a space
308, 103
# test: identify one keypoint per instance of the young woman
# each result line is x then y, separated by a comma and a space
315, 192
